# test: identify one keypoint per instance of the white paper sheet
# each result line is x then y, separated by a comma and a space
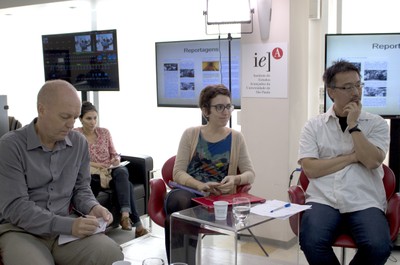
265, 209
63, 239
123, 163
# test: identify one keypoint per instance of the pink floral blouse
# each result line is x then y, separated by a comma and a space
103, 150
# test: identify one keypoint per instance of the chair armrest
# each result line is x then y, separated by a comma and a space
393, 215
296, 195
155, 206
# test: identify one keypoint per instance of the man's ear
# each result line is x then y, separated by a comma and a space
40, 108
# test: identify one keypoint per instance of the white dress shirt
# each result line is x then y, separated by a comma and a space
354, 187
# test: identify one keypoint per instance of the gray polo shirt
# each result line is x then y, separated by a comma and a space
38, 185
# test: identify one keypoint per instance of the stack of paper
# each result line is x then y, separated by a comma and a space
278, 209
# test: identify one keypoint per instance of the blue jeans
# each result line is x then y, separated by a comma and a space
125, 196
321, 224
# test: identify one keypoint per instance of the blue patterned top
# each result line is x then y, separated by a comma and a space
211, 160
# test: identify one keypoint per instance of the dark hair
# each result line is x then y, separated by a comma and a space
210, 92
340, 66
86, 107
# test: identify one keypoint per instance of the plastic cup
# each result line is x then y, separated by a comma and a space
220, 210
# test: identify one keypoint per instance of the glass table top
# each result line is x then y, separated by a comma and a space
205, 216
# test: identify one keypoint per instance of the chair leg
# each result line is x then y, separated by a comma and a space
199, 248
343, 256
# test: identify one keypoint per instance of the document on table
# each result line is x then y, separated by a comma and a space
63, 239
277, 209
123, 163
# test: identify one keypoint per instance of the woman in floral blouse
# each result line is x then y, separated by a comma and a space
102, 156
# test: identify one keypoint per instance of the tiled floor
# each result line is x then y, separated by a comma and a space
219, 250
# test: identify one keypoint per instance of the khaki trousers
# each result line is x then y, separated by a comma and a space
20, 248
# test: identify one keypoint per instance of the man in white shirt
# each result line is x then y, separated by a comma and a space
341, 152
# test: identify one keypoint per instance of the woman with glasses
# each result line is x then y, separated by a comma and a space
210, 156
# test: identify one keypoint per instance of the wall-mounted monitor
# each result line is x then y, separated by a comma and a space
184, 68
88, 60
378, 58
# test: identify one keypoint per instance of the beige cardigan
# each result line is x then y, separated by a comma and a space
239, 158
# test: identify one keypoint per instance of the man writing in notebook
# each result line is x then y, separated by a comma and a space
44, 174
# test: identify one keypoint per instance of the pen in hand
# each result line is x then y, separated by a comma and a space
79, 213
115, 159
281, 207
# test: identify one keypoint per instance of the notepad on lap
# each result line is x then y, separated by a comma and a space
123, 163
208, 201
173, 184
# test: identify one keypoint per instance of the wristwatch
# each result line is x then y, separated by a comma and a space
354, 129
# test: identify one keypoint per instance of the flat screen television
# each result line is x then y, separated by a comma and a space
184, 68
378, 57
88, 60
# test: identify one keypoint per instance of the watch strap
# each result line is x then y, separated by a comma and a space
354, 129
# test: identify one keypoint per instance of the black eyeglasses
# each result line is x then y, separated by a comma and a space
222, 107
350, 87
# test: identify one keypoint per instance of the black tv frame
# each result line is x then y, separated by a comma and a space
88, 60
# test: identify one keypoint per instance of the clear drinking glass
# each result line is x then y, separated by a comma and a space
153, 261
241, 208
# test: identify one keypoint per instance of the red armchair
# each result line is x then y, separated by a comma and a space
158, 191
297, 195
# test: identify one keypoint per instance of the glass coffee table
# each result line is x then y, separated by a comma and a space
190, 225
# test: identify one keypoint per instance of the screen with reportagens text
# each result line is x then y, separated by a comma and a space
184, 68
377, 55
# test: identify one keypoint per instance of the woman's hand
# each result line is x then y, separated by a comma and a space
214, 188
210, 187
227, 184
115, 161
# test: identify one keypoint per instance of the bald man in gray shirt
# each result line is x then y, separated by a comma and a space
44, 172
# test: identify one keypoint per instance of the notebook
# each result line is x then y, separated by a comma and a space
208, 201
173, 184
